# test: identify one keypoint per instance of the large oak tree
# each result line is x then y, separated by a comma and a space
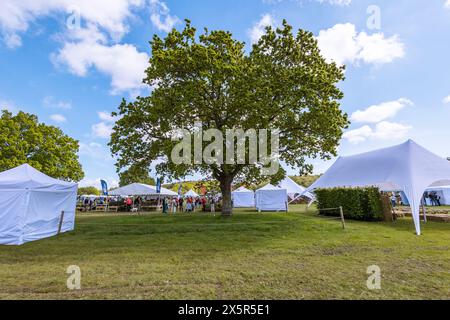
282, 83
24, 140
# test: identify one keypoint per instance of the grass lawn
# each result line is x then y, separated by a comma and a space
248, 256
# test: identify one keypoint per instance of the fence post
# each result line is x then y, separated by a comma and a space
61, 222
341, 211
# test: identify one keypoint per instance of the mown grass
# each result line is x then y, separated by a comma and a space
249, 256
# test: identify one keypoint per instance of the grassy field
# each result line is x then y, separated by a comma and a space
249, 256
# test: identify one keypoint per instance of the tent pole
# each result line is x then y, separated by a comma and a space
424, 213
60, 222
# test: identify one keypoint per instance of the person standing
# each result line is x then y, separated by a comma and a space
393, 200
174, 205
180, 205
213, 205
164, 206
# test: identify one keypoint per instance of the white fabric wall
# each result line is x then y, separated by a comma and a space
271, 200
243, 199
29, 215
31, 204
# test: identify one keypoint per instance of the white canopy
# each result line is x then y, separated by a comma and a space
243, 198
31, 205
407, 167
191, 193
140, 189
271, 198
443, 192
294, 190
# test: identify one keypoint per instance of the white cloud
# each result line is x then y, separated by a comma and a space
58, 118
110, 15
390, 130
380, 112
447, 4
383, 131
337, 2
50, 102
160, 16
122, 62
102, 130
106, 116
343, 44
358, 135
446, 100
95, 150
258, 29
12, 41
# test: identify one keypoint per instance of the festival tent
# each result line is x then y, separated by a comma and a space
243, 198
140, 189
34, 206
443, 192
191, 193
294, 190
271, 198
407, 167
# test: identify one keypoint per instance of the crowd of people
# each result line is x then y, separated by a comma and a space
138, 203
434, 198
189, 204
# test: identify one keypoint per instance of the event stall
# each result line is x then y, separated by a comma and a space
192, 194
243, 198
140, 189
34, 206
271, 198
407, 167
294, 190
444, 194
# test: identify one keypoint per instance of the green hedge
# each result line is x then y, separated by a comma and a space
358, 203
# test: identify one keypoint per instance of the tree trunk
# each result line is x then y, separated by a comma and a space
225, 188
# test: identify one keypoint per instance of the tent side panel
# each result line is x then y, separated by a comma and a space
243, 200
44, 213
271, 200
12, 211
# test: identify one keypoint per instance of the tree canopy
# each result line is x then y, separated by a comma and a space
282, 84
88, 191
135, 174
24, 140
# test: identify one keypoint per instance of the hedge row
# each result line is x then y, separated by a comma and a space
358, 203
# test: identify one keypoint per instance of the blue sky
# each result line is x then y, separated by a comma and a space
73, 75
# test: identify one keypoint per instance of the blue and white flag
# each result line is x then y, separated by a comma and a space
104, 187
158, 185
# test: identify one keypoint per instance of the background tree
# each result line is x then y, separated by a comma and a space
282, 83
88, 191
135, 174
24, 140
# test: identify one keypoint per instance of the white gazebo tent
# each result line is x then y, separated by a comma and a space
140, 189
407, 167
294, 190
443, 192
243, 198
271, 198
34, 206
192, 194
